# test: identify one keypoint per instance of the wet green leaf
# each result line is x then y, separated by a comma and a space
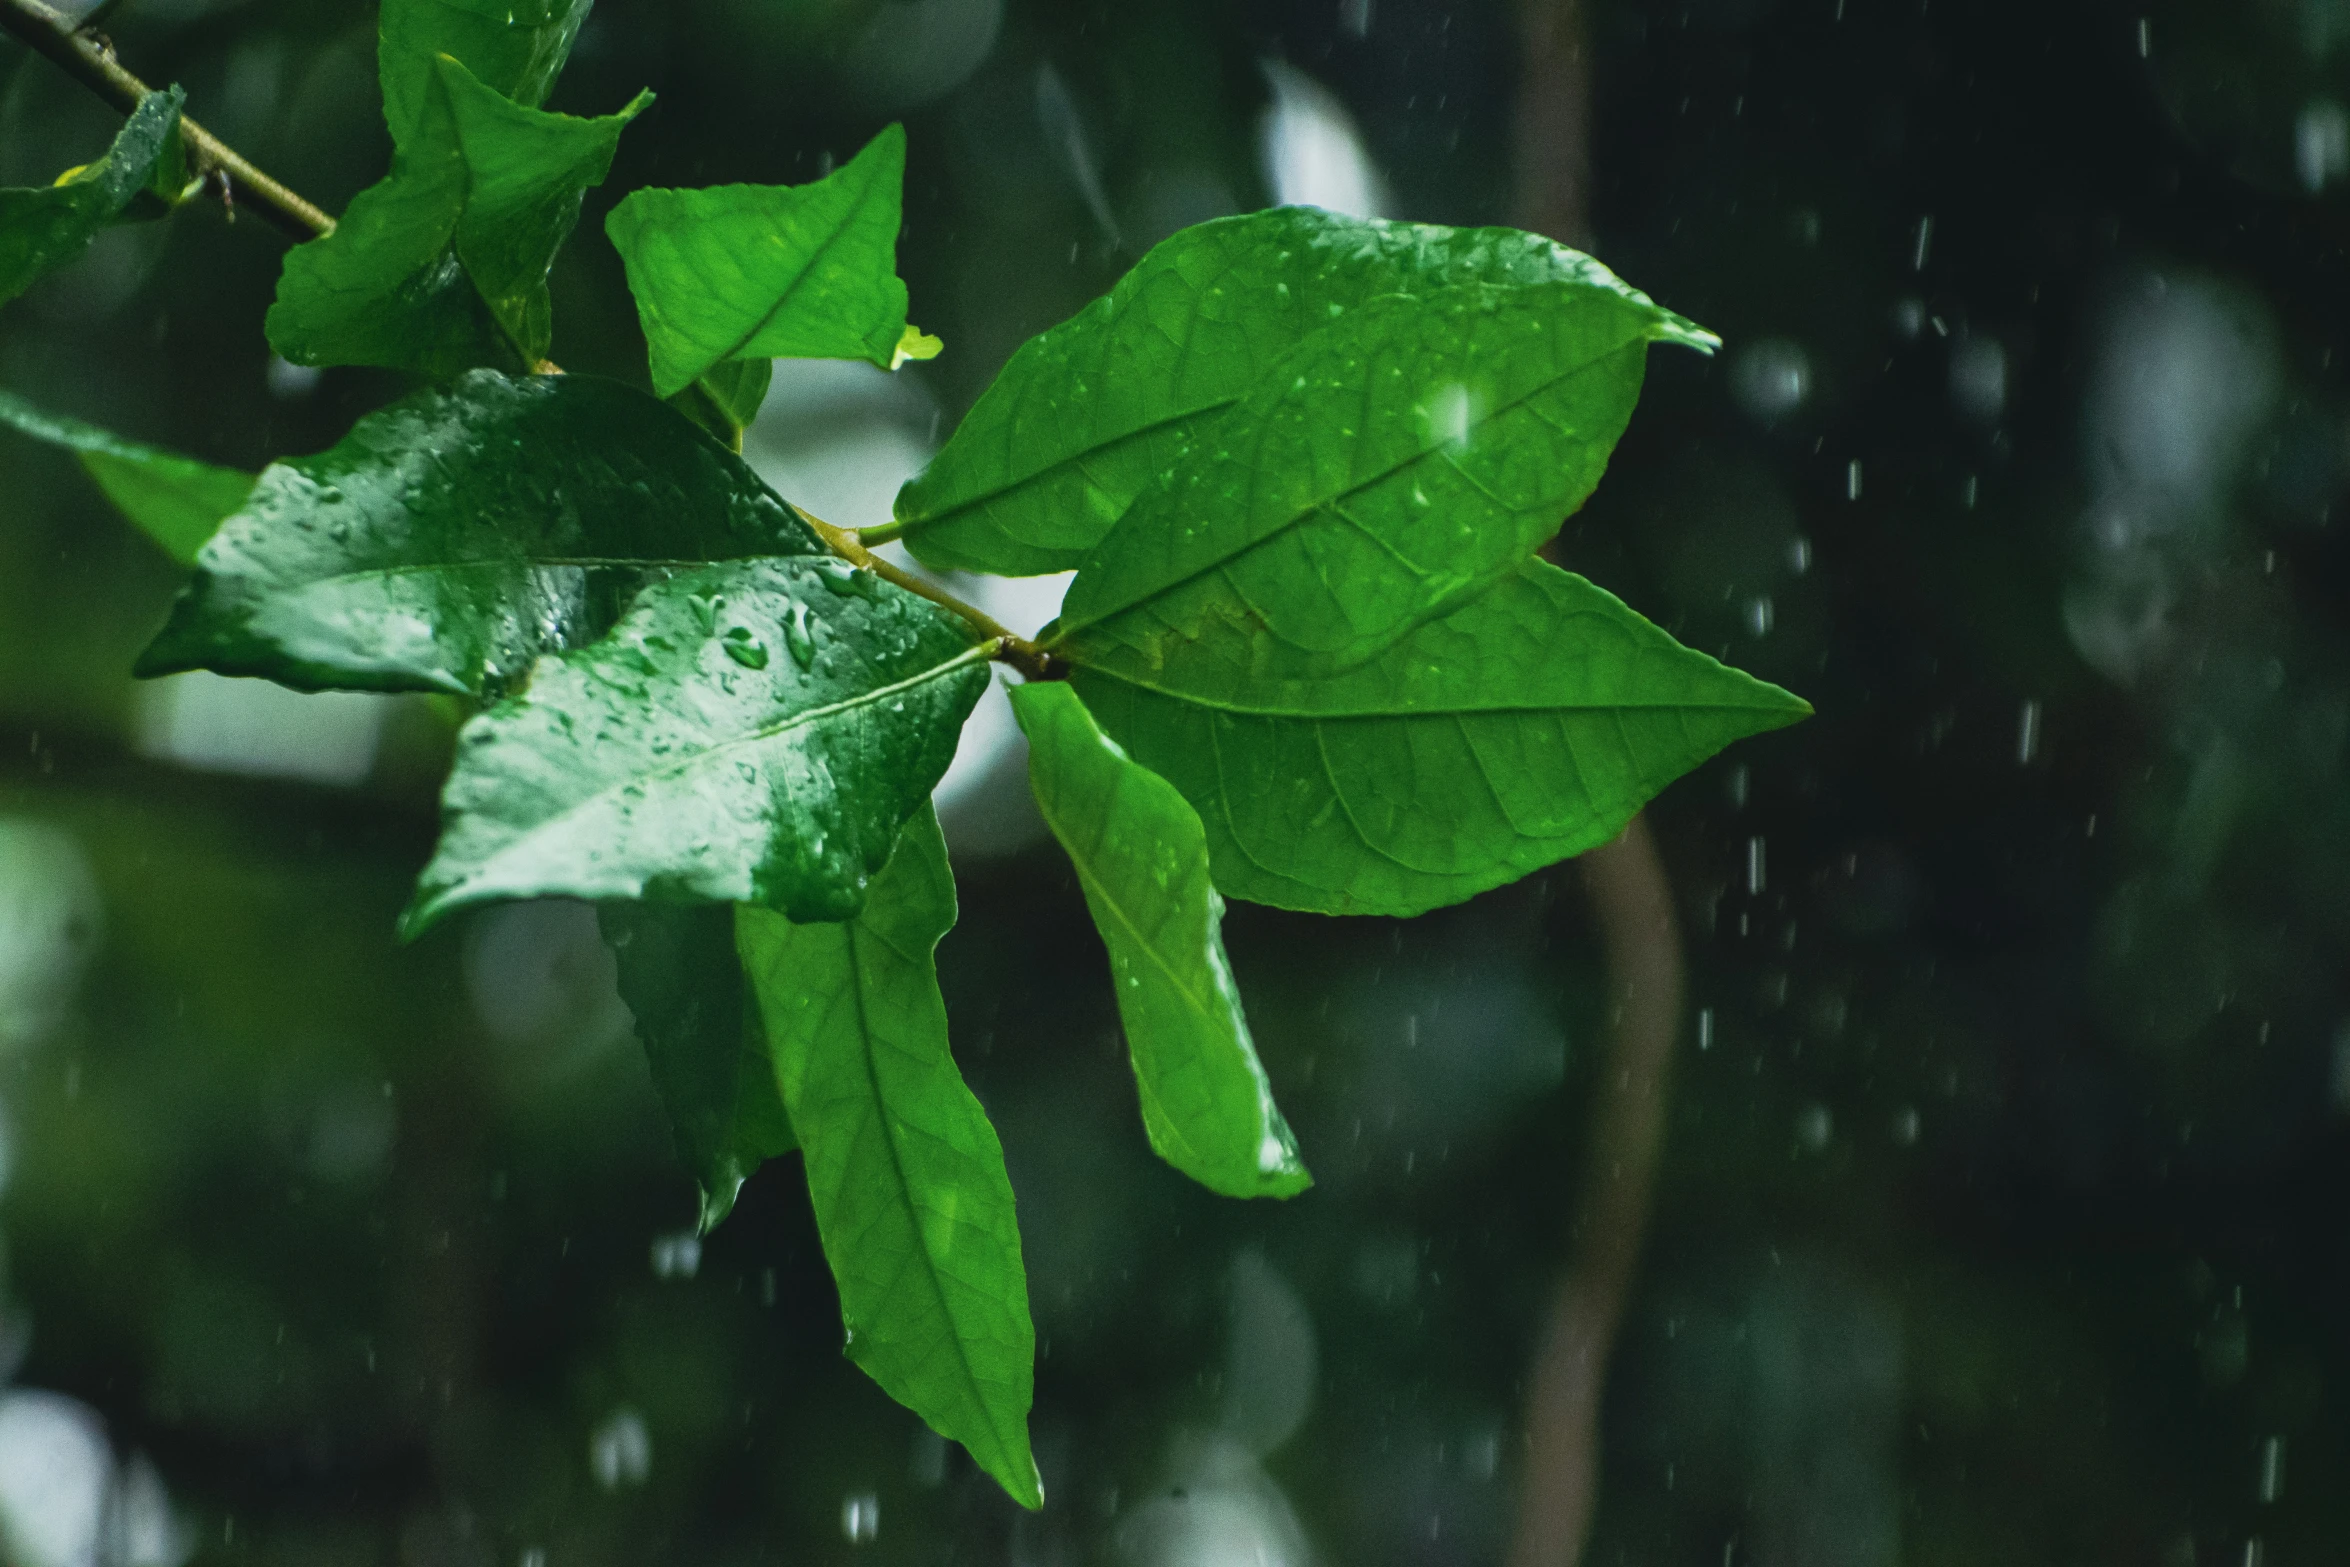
443, 265
177, 501
769, 271
694, 1015
516, 48
905, 1173
1088, 414
1142, 858
727, 399
1515, 732
1386, 472
453, 537
752, 732
45, 227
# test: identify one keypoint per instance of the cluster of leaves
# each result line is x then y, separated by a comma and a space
1300, 465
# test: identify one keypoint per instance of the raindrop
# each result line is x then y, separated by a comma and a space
2321, 144
1771, 379
1814, 1125
1906, 1126
1759, 615
1852, 480
2272, 1469
1754, 865
743, 646
677, 1256
1922, 244
860, 1517
1705, 1028
2027, 734
620, 1452
798, 636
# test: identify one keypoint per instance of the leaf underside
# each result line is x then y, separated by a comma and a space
176, 501
452, 538
46, 227
905, 1174
750, 732
769, 271
1086, 416
683, 983
1142, 860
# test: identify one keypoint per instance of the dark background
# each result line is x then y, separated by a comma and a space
2002, 1218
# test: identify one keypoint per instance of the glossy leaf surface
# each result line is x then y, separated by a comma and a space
1517, 731
457, 535
753, 732
1087, 415
1142, 859
905, 1173
443, 265
1389, 470
708, 1053
46, 227
515, 47
176, 501
769, 271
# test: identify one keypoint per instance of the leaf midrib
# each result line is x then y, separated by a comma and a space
1331, 502
1519, 709
533, 834
807, 270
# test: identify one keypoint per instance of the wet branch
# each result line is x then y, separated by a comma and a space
1011, 647
89, 59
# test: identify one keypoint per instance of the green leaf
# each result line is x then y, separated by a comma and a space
516, 48
753, 732
1087, 415
1517, 731
905, 1173
683, 982
455, 536
727, 399
45, 227
1388, 471
177, 501
770, 271
1142, 858
443, 265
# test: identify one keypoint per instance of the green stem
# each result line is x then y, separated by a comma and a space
884, 534
1010, 647
90, 60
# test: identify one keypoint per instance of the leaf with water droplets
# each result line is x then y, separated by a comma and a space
1142, 860
771, 271
515, 47
904, 1172
178, 501
684, 985
44, 227
1387, 472
455, 536
1523, 728
443, 265
662, 763
1086, 416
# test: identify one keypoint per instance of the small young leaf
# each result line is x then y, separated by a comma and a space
905, 1173
453, 537
1391, 469
44, 227
770, 271
1088, 414
1142, 858
1515, 732
443, 265
177, 501
753, 732
727, 399
516, 48
684, 983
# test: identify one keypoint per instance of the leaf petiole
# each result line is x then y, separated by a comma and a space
1010, 647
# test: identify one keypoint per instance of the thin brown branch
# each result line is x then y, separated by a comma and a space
90, 61
1011, 647
1633, 903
